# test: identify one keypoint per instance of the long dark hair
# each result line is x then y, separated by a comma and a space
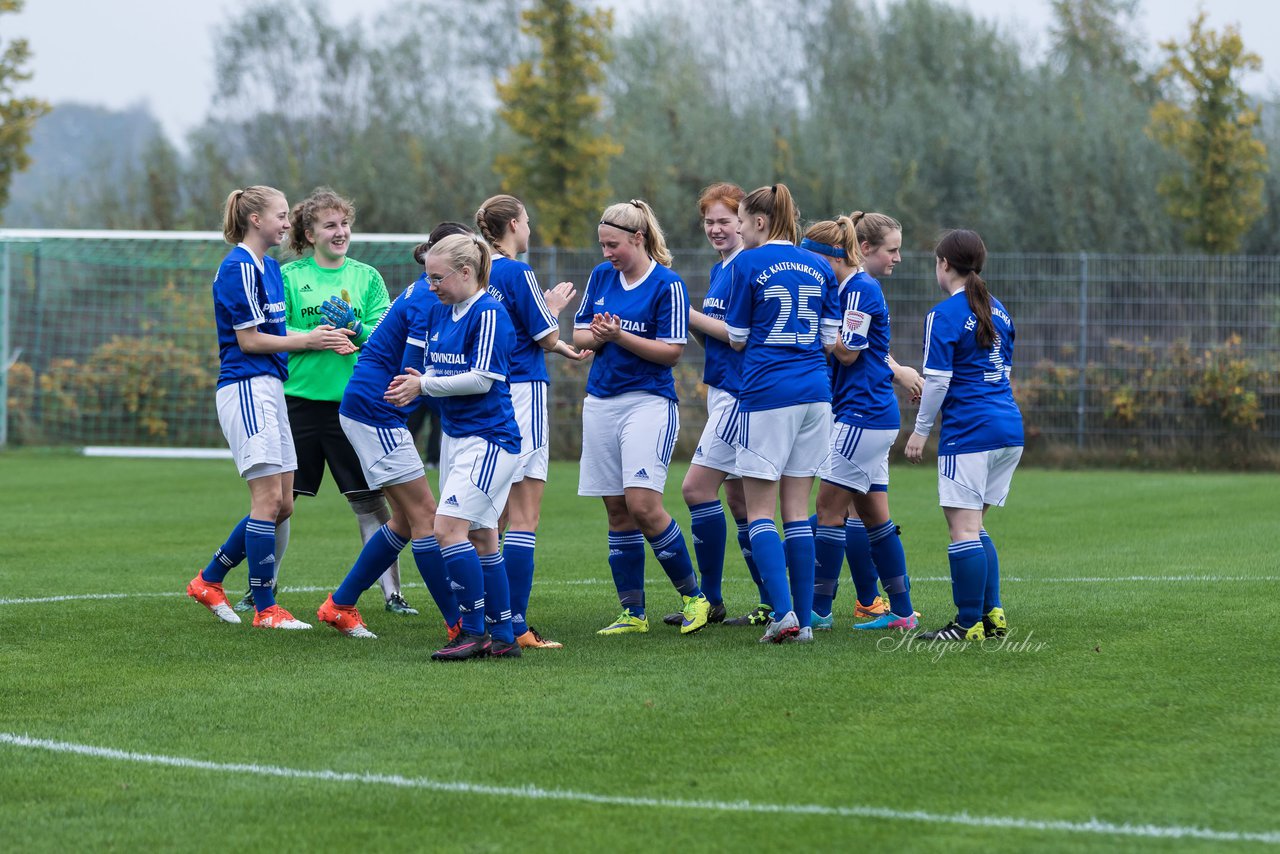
966, 253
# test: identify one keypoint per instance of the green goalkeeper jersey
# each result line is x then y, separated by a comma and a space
323, 374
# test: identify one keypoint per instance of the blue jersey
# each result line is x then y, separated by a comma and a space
722, 363
978, 413
514, 285
248, 296
862, 393
476, 335
395, 344
655, 307
781, 300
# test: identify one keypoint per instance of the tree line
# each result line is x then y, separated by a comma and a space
915, 107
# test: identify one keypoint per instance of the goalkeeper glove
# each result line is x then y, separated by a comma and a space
340, 315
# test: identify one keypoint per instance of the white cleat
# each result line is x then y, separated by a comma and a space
783, 630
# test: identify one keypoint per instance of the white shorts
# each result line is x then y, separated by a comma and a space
715, 446
971, 481
627, 442
859, 458
387, 454
792, 441
530, 402
255, 422
475, 479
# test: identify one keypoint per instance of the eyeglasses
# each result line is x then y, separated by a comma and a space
436, 280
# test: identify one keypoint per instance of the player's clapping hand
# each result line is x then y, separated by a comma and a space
404, 389
559, 296
915, 447
338, 312
325, 337
909, 378
606, 327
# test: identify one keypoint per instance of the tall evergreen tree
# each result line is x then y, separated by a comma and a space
1207, 118
552, 105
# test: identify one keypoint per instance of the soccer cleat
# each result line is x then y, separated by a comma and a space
397, 605
212, 597
717, 614
953, 631
877, 608
276, 617
502, 649
463, 647
532, 640
994, 623
345, 619
805, 635
454, 630
782, 630
626, 623
758, 616
821, 623
696, 609
890, 620
245, 604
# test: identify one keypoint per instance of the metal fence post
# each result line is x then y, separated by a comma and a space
1083, 356
4, 348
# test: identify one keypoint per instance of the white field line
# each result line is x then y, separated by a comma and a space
1092, 826
579, 582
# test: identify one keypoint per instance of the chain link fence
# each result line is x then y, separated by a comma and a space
107, 339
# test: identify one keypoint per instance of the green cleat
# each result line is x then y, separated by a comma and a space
759, 616
397, 605
246, 604
626, 624
694, 614
953, 631
994, 623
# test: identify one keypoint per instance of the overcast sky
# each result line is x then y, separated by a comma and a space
119, 53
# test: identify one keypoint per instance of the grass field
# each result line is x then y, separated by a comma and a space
1135, 707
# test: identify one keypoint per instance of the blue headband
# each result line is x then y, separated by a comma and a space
823, 248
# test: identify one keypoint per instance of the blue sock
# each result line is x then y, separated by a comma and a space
673, 554
430, 563
383, 548
626, 562
497, 597
744, 543
857, 549
517, 552
828, 547
228, 556
891, 563
709, 531
766, 545
800, 567
463, 565
991, 595
968, 579
260, 552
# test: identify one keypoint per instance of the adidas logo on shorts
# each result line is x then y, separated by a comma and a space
452, 501
642, 475
435, 337
600, 301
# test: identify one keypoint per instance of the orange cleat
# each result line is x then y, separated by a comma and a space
344, 618
212, 597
